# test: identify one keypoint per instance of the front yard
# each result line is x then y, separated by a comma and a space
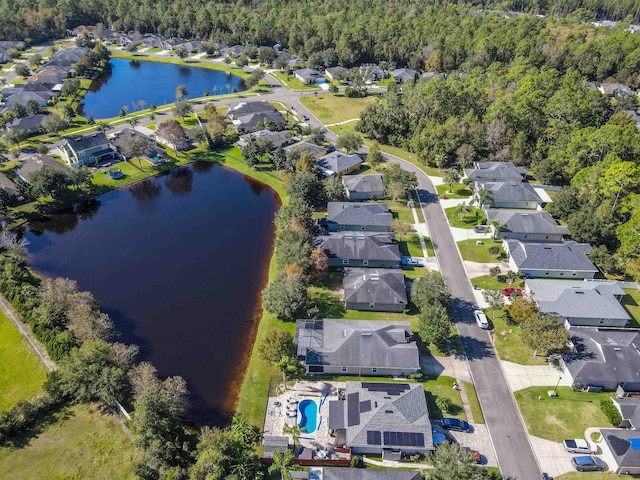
459, 191
467, 220
509, 344
336, 108
566, 416
487, 282
472, 252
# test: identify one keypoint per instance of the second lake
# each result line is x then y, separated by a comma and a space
130, 81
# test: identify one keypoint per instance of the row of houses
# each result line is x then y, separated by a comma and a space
370, 72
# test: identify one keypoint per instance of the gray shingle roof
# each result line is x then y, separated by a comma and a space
37, 162
495, 171
618, 441
340, 473
356, 343
370, 409
360, 245
629, 409
246, 108
550, 256
526, 221
348, 213
574, 298
253, 119
604, 355
337, 162
277, 138
86, 142
511, 192
402, 75
27, 123
315, 150
363, 183
374, 285
8, 186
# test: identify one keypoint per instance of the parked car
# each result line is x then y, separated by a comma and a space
455, 424
578, 445
305, 118
411, 262
476, 454
587, 464
507, 292
481, 319
479, 228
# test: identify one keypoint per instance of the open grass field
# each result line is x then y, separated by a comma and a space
22, 373
566, 416
468, 220
336, 108
79, 445
472, 252
509, 344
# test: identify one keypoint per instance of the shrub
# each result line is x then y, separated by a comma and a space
610, 410
501, 278
443, 403
494, 271
494, 250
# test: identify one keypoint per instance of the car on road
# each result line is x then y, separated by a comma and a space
305, 118
481, 319
578, 445
455, 424
507, 292
587, 464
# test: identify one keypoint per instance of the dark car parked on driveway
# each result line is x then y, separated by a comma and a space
455, 424
587, 464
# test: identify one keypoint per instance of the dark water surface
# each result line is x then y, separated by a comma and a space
178, 263
130, 81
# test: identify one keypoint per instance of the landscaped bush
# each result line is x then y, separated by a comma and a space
501, 278
494, 250
611, 411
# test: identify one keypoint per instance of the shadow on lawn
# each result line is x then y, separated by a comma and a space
24, 439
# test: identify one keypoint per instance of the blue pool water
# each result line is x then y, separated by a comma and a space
309, 416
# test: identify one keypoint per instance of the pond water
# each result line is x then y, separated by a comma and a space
178, 262
130, 81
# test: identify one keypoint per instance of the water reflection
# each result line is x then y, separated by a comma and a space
180, 181
67, 220
146, 190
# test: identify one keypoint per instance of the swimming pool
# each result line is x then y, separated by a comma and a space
308, 416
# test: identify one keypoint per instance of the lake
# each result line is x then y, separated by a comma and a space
178, 262
130, 81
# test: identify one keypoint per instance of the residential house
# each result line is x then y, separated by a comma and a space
5, 46
495, 172
629, 408
254, 121
338, 164
67, 56
364, 187
316, 151
580, 303
375, 289
382, 418
356, 347
308, 76
51, 74
23, 97
121, 138
86, 150
277, 139
611, 89
10, 188
191, 46
35, 163
371, 72
402, 75
235, 51
370, 217
550, 260
361, 249
603, 359
621, 450
248, 108
515, 195
294, 62
336, 73
530, 225
341, 473
30, 124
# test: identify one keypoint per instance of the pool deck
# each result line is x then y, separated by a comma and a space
321, 392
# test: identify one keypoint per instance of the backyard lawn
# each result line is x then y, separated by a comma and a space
80, 444
509, 344
566, 416
22, 373
336, 108
472, 252
468, 220
632, 303
459, 191
292, 82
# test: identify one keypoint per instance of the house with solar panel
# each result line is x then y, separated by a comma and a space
356, 347
621, 450
388, 419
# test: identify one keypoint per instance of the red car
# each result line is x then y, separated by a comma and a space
507, 292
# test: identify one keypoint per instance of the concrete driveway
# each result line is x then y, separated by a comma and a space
553, 458
520, 377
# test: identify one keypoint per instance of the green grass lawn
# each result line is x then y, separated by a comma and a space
566, 416
443, 386
459, 191
593, 476
336, 108
468, 220
474, 404
472, 252
632, 303
413, 245
509, 344
487, 282
346, 127
79, 445
292, 82
22, 373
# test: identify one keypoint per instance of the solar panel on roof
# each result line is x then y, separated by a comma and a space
405, 439
353, 409
388, 388
365, 406
373, 437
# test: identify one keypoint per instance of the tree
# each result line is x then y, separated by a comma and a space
135, 145
182, 108
495, 299
277, 343
443, 403
282, 462
401, 228
15, 136
293, 246
69, 113
452, 462
317, 134
173, 133
286, 297
33, 107
181, 92
298, 209
70, 87
319, 261
482, 196
394, 173
523, 308
267, 55
19, 110
181, 53
462, 210
48, 181
434, 325
334, 189
374, 157
544, 334
396, 190
53, 124
451, 178
308, 187
22, 70
619, 179
349, 142
428, 290
497, 225
254, 78
35, 60
289, 366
